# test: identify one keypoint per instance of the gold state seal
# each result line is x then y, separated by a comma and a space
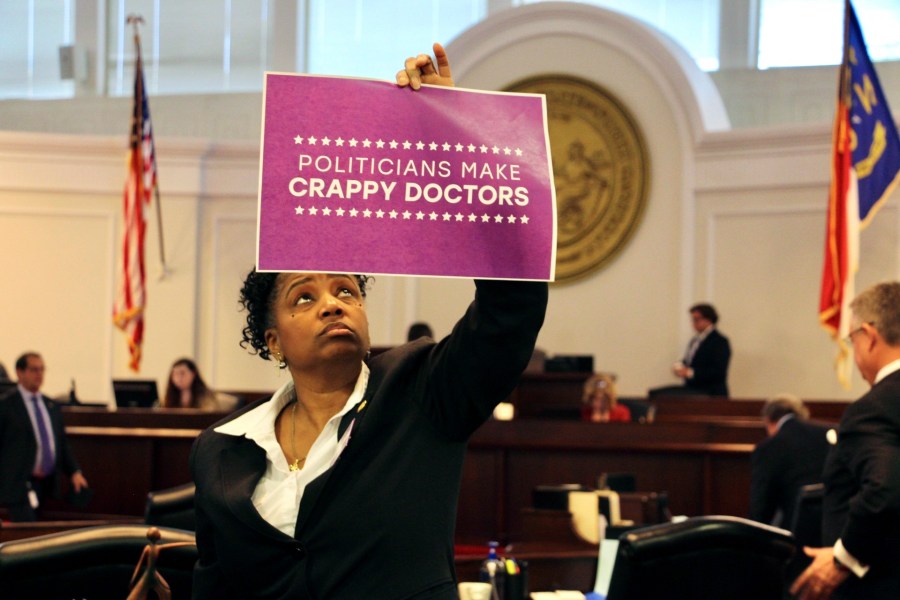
600, 170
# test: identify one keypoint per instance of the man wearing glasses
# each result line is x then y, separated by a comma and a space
33, 445
861, 507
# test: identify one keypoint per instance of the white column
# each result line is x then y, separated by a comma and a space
90, 38
287, 36
738, 34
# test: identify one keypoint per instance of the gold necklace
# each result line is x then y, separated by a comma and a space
294, 466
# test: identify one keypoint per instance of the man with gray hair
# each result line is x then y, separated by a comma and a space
792, 456
861, 506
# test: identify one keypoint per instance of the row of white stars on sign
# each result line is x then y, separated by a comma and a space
407, 145
408, 216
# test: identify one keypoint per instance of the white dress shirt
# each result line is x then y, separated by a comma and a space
277, 495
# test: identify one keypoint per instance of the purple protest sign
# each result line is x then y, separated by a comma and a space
362, 176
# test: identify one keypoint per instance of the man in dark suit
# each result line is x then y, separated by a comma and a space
704, 367
861, 506
790, 457
33, 444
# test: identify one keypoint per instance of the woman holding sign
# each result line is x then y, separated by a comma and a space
344, 484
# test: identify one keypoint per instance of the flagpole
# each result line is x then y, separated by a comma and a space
162, 251
136, 20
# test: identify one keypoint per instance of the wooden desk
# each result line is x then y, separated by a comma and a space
137, 418
548, 394
704, 466
554, 395
705, 407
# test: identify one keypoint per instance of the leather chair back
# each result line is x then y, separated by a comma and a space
172, 507
702, 558
94, 563
806, 523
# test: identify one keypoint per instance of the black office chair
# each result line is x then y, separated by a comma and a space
617, 482
172, 507
94, 562
642, 411
806, 523
702, 558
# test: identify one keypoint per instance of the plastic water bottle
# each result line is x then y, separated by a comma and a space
493, 571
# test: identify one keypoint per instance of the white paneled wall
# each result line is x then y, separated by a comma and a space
733, 217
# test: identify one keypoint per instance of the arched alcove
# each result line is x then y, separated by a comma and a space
639, 295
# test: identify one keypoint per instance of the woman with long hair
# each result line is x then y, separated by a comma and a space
186, 388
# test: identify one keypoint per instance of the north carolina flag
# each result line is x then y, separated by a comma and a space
128, 313
865, 169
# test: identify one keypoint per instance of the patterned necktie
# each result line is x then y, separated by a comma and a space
46, 450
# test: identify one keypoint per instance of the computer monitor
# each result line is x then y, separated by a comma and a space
135, 393
570, 364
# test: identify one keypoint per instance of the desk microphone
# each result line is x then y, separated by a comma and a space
73, 397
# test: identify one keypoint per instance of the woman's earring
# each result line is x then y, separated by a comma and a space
280, 361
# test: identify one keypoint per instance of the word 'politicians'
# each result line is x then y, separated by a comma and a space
348, 189
371, 166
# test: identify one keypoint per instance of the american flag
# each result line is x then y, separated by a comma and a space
864, 171
128, 312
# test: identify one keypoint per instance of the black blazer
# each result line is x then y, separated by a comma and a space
710, 365
18, 447
861, 505
784, 463
380, 522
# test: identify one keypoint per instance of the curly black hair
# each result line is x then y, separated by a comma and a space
257, 297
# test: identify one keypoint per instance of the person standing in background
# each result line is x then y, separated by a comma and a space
861, 505
33, 444
704, 367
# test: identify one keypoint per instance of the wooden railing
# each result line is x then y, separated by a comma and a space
697, 450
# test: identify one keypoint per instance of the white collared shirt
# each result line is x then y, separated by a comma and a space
277, 495
887, 370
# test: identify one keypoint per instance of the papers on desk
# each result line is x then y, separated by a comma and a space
557, 595
592, 511
605, 563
